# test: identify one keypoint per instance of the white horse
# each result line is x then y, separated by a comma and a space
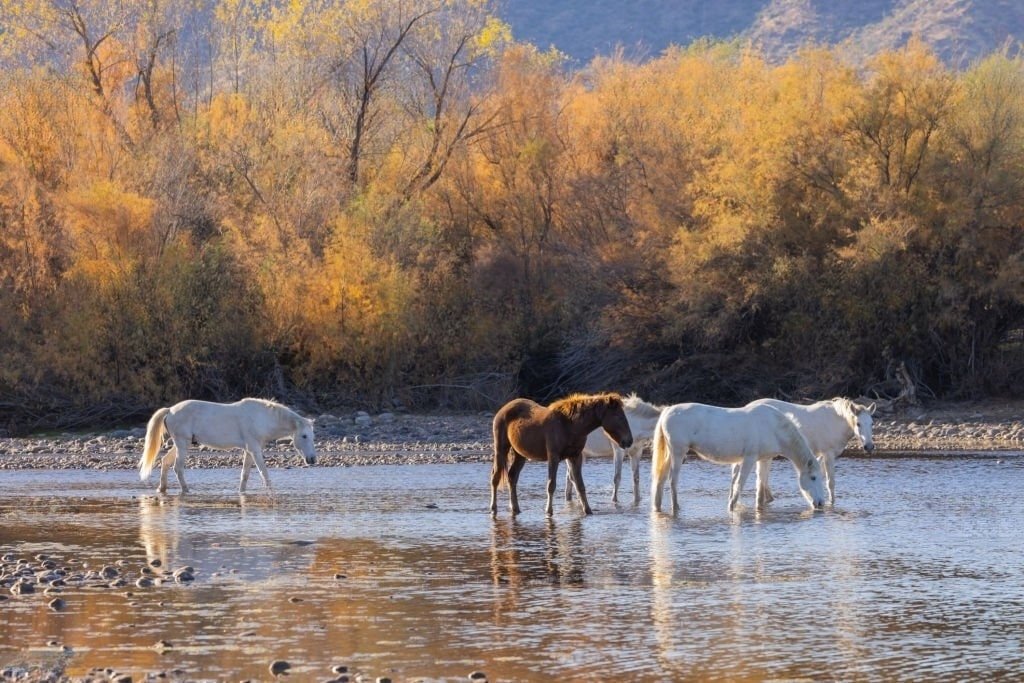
730, 436
828, 427
245, 424
642, 416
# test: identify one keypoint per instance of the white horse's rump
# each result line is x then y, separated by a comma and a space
828, 427
245, 424
642, 416
730, 436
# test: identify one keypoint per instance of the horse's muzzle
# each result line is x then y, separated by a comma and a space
869, 447
310, 459
626, 442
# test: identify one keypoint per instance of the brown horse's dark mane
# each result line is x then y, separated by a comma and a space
574, 405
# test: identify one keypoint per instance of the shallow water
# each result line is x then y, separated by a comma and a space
918, 573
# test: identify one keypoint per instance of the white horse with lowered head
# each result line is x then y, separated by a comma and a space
828, 426
245, 424
642, 416
729, 436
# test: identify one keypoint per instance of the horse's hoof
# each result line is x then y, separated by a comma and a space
588, 511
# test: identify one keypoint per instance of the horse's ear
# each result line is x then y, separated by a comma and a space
870, 408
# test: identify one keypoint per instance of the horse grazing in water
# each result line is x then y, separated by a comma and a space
828, 427
245, 424
729, 436
642, 416
526, 430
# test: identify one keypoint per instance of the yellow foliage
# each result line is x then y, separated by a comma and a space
111, 229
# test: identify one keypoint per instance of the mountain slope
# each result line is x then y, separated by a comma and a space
959, 30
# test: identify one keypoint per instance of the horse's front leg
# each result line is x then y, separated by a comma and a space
549, 509
181, 453
575, 465
829, 465
256, 450
745, 468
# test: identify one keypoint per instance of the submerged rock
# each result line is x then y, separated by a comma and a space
279, 667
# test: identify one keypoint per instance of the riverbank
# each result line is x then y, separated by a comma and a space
358, 438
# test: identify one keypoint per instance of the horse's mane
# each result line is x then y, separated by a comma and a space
640, 407
574, 405
279, 408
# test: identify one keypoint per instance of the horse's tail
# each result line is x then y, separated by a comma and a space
501, 449
661, 456
154, 434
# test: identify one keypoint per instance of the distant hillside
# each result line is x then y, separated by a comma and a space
959, 30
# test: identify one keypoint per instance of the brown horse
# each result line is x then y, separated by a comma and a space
532, 432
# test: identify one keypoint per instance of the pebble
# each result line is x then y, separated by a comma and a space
144, 582
57, 604
477, 676
279, 666
339, 669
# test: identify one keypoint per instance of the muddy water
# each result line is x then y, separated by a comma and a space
399, 571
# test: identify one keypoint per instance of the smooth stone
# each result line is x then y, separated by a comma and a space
155, 563
144, 582
477, 676
339, 669
279, 667
109, 572
22, 588
57, 604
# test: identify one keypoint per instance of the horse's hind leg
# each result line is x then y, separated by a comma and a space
246, 468
634, 462
575, 465
165, 466
617, 454
764, 493
675, 467
513, 481
181, 453
745, 467
549, 509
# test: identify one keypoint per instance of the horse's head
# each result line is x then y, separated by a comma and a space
812, 483
302, 439
614, 422
860, 420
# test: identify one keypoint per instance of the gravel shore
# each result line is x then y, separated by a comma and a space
358, 438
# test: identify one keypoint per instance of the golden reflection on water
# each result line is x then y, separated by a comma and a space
439, 590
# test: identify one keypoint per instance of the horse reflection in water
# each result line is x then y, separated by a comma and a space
160, 532
529, 553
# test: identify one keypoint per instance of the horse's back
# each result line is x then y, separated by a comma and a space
819, 422
713, 431
526, 425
